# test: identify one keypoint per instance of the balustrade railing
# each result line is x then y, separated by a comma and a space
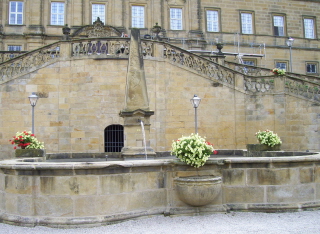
107, 47
248, 70
7, 55
28, 61
303, 88
255, 79
198, 64
255, 85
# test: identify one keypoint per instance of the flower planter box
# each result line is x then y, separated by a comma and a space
30, 153
260, 150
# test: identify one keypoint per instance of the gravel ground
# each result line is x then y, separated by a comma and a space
234, 222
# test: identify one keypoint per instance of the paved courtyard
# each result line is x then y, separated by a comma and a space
234, 222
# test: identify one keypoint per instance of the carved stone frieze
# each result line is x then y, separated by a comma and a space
97, 29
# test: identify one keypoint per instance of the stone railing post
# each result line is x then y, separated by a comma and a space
239, 81
158, 50
65, 50
279, 84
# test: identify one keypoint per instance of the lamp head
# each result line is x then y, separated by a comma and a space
195, 101
33, 98
290, 41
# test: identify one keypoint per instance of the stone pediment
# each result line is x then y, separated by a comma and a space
97, 29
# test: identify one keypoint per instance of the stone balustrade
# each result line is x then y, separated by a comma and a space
29, 62
7, 55
245, 78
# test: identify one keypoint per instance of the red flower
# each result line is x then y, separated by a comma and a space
215, 152
15, 147
32, 135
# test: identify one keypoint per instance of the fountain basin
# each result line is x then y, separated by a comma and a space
72, 194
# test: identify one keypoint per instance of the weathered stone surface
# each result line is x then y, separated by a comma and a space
57, 206
238, 194
307, 175
278, 194
234, 177
271, 176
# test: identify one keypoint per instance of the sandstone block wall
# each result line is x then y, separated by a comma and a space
79, 98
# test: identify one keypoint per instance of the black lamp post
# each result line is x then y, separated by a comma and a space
290, 43
33, 98
195, 102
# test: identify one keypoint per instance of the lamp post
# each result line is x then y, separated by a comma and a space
33, 98
195, 102
290, 43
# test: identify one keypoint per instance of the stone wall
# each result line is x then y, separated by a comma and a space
37, 31
81, 96
73, 194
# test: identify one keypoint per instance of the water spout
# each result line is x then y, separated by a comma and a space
144, 138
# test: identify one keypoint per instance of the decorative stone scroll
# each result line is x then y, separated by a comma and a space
199, 64
97, 29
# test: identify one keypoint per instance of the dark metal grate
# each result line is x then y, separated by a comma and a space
113, 137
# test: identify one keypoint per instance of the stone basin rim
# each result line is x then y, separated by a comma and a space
26, 163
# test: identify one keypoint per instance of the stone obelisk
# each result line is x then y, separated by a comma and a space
136, 104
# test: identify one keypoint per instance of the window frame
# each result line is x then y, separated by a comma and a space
144, 16
313, 18
57, 19
282, 61
284, 24
249, 60
252, 22
176, 19
218, 10
16, 13
316, 64
98, 15
15, 46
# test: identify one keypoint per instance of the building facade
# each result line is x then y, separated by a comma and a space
80, 78
253, 32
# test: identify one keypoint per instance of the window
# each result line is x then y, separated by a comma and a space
57, 13
312, 67
278, 25
113, 138
138, 16
248, 62
281, 65
213, 21
175, 18
98, 10
309, 28
246, 23
16, 13
14, 48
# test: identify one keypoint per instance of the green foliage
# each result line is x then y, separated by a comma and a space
278, 71
26, 140
269, 138
193, 150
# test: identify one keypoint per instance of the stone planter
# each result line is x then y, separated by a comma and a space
260, 150
198, 190
30, 153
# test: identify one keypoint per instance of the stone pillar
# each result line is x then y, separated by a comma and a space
136, 104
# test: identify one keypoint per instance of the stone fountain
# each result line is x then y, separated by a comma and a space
136, 104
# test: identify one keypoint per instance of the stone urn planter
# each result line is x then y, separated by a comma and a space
198, 190
30, 153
